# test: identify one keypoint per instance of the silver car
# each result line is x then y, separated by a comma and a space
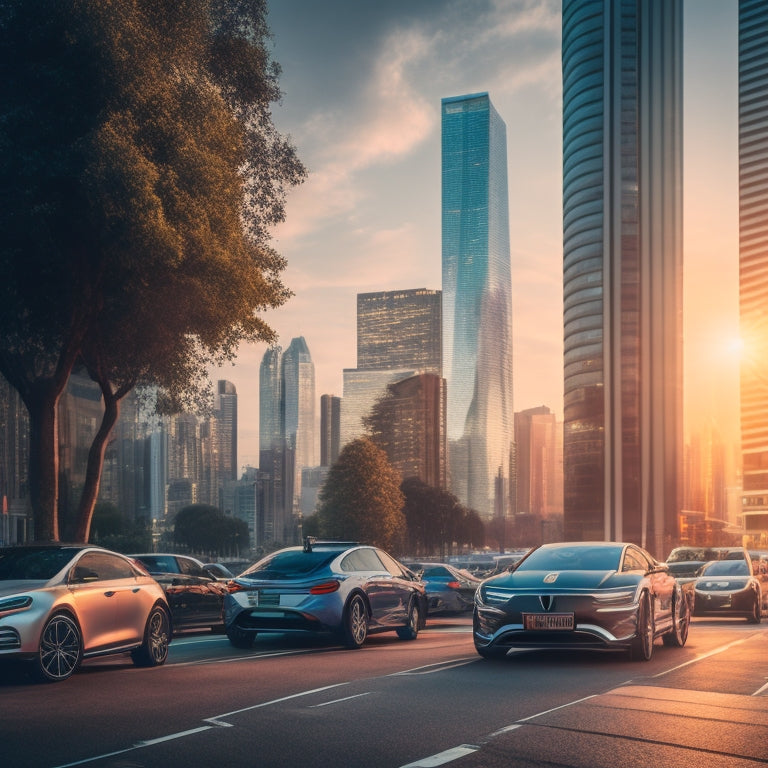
340, 588
60, 604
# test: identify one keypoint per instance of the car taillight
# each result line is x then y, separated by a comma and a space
233, 586
453, 585
325, 588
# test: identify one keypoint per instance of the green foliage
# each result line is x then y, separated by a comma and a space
436, 521
204, 528
361, 498
141, 174
111, 529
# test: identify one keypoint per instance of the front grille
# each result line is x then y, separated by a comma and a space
9, 639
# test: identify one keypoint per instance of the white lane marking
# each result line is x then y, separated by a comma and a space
436, 667
336, 701
760, 690
441, 758
230, 659
701, 657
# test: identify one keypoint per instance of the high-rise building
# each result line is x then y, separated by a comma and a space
330, 425
270, 434
400, 329
753, 263
622, 270
477, 300
225, 415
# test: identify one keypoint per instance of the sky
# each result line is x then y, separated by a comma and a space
362, 82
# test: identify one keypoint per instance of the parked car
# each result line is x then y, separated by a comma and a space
60, 604
342, 588
218, 571
759, 559
728, 588
196, 598
581, 595
449, 589
684, 562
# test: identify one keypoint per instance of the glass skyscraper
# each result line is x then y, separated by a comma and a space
622, 269
477, 300
753, 262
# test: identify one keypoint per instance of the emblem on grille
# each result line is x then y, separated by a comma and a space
546, 601
551, 578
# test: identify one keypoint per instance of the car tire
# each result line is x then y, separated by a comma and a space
60, 651
681, 622
240, 638
411, 630
354, 629
755, 616
642, 644
154, 649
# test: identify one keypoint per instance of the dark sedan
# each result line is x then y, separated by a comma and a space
196, 598
449, 589
581, 595
728, 588
339, 588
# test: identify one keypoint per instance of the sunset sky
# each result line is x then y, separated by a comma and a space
362, 83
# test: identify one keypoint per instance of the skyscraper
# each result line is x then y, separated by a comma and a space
477, 299
753, 262
622, 270
298, 390
225, 413
330, 424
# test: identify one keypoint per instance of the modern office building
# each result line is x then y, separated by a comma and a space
270, 432
330, 426
400, 329
622, 270
225, 415
753, 263
477, 300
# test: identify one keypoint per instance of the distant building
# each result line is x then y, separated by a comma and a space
753, 264
330, 429
477, 301
622, 268
225, 416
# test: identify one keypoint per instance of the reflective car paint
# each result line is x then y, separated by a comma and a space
581, 595
728, 588
346, 590
449, 589
62, 603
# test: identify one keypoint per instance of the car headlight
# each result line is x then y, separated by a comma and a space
490, 595
15, 603
616, 597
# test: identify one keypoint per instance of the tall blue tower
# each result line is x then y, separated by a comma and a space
477, 302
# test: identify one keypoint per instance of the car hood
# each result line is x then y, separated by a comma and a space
20, 585
562, 580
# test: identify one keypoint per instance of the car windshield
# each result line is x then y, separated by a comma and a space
575, 558
292, 563
33, 563
726, 568
691, 554
159, 563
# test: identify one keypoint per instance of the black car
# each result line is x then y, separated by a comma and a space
581, 595
728, 588
196, 598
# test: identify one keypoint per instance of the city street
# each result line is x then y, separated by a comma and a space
430, 702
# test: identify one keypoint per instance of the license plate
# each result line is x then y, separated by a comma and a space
253, 598
548, 621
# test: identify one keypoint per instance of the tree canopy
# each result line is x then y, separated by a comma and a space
204, 528
141, 175
361, 498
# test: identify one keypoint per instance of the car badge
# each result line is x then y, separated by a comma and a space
551, 578
546, 601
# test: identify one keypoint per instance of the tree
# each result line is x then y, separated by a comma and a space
204, 528
361, 498
141, 174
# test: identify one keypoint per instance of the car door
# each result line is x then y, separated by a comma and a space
399, 590
662, 585
203, 595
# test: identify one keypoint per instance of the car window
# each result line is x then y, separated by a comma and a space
101, 566
436, 571
726, 568
290, 563
573, 558
159, 563
189, 567
392, 565
362, 560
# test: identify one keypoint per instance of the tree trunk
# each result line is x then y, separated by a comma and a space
42, 406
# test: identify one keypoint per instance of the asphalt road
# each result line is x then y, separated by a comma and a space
424, 703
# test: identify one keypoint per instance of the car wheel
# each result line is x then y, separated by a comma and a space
642, 644
154, 650
60, 651
411, 630
355, 625
756, 615
681, 622
239, 638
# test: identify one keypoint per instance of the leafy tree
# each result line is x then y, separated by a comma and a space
204, 528
141, 174
111, 529
361, 498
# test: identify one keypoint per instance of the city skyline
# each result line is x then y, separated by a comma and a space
367, 123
